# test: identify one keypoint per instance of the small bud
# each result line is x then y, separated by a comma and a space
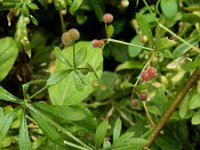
95, 43
70, 36
124, 3
74, 34
134, 103
152, 72
85, 71
96, 84
143, 96
145, 76
143, 38
101, 43
27, 20
107, 18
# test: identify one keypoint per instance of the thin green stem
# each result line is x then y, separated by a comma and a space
74, 145
74, 64
93, 71
179, 97
168, 30
62, 22
129, 44
60, 128
38, 92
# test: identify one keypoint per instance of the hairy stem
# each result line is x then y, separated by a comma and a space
179, 97
148, 115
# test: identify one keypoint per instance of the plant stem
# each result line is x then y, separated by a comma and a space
148, 115
62, 22
179, 97
74, 65
168, 30
60, 128
73, 145
129, 44
38, 92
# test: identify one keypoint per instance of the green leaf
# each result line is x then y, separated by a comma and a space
50, 131
126, 136
196, 118
194, 102
136, 143
61, 4
110, 31
169, 8
165, 43
80, 56
5, 95
5, 123
57, 77
100, 133
78, 82
129, 65
60, 56
183, 48
191, 18
32, 6
24, 140
8, 54
144, 27
34, 20
134, 51
75, 6
183, 109
64, 113
117, 130
125, 84
65, 92
84, 79
98, 7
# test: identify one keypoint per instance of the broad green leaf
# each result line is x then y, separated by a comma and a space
78, 83
5, 123
169, 8
144, 27
80, 56
191, 18
184, 106
130, 144
195, 101
50, 131
75, 6
196, 118
110, 31
64, 113
129, 65
100, 133
57, 77
165, 43
117, 130
183, 48
5, 95
65, 92
8, 54
85, 81
98, 7
134, 51
24, 140
60, 56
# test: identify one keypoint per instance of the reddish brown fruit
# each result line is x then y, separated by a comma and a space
107, 18
143, 96
134, 103
95, 43
145, 76
152, 72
